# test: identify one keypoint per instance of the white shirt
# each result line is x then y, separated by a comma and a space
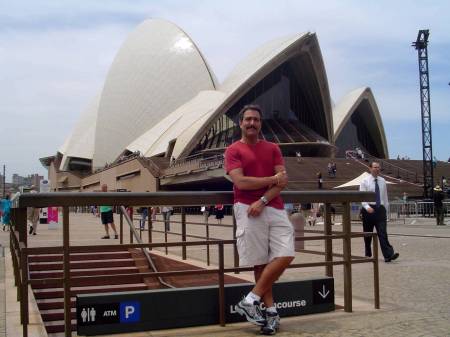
368, 185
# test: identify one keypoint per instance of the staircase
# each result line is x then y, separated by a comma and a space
50, 297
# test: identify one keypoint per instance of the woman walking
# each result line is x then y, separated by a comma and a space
6, 211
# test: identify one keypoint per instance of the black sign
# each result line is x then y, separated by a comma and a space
323, 291
96, 314
175, 308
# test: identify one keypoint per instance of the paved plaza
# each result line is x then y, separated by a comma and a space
415, 290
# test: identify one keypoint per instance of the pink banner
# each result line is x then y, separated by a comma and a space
52, 214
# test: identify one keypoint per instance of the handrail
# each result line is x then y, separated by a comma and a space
387, 165
188, 198
184, 198
138, 239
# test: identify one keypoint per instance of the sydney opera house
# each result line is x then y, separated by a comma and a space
162, 120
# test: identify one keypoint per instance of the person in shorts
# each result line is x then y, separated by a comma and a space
265, 236
107, 217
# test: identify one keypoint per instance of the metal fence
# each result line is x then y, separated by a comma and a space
20, 250
400, 210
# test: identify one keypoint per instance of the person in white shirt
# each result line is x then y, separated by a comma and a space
374, 214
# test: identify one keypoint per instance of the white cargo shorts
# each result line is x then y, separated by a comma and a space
261, 239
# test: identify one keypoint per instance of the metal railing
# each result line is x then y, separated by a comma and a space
138, 238
400, 210
20, 250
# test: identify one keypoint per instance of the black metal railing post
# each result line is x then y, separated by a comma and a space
121, 227
376, 279
235, 251
183, 232
221, 285
66, 274
328, 241
150, 228
347, 252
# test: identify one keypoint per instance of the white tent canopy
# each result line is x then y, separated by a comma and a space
357, 181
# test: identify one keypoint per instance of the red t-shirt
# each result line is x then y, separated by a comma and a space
255, 160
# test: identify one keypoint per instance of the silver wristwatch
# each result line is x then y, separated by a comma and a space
264, 200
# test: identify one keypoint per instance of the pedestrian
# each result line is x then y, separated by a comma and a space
319, 180
299, 156
219, 211
289, 208
107, 217
154, 212
144, 215
166, 212
33, 215
334, 169
374, 214
305, 209
438, 196
205, 211
330, 169
264, 234
5, 206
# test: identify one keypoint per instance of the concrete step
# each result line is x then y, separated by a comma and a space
80, 256
41, 266
94, 281
59, 292
82, 272
57, 314
54, 303
58, 326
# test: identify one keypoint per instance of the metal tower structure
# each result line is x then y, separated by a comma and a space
421, 44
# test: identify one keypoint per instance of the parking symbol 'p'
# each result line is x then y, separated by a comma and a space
130, 312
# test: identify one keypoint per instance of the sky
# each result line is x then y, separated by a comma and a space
55, 55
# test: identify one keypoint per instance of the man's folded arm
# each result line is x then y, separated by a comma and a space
250, 183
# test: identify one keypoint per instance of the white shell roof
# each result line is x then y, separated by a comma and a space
343, 111
183, 121
245, 76
189, 120
63, 148
157, 69
80, 144
264, 55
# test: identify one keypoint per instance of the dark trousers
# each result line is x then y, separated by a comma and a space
439, 211
166, 218
376, 219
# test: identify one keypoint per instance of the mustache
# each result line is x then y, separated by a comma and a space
250, 127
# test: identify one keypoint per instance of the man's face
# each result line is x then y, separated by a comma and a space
375, 169
251, 123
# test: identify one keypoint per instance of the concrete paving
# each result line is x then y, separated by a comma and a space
415, 291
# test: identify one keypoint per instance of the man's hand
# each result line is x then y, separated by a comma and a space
370, 210
255, 208
281, 179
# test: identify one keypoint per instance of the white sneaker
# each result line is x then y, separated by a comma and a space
251, 311
272, 324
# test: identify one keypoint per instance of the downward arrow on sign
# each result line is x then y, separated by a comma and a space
324, 294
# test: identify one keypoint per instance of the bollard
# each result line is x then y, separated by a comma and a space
298, 221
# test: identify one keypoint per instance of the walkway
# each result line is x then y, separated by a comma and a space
415, 291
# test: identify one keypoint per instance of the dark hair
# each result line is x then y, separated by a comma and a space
249, 107
373, 162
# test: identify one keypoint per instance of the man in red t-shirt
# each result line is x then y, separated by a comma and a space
265, 236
